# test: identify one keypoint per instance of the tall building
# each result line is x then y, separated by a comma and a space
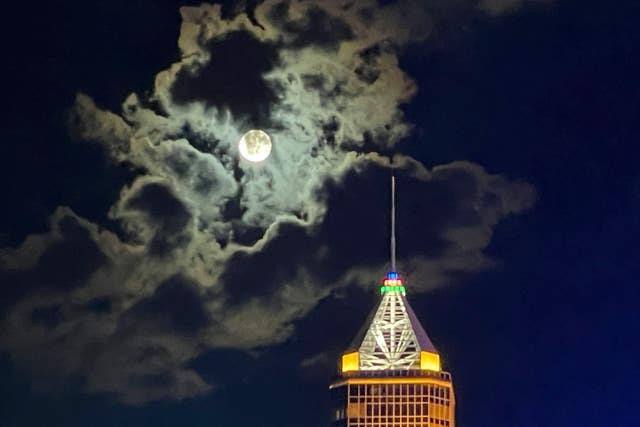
391, 375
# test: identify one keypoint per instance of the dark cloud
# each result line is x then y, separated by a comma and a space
500, 7
166, 213
176, 305
80, 255
135, 325
314, 28
161, 206
446, 216
257, 274
99, 305
368, 71
217, 254
49, 316
65, 263
106, 334
357, 225
233, 79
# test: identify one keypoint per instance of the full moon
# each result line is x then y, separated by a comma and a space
255, 145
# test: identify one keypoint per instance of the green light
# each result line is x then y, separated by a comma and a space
385, 289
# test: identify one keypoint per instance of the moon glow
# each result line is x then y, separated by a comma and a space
255, 146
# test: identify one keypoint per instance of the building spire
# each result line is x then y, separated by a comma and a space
393, 221
393, 339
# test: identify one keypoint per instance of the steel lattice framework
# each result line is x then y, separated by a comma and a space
390, 342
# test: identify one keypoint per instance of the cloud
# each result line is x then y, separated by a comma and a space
132, 319
212, 252
500, 7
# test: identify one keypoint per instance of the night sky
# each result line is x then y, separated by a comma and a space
148, 277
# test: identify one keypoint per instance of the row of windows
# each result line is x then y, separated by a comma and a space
401, 400
399, 422
384, 405
382, 408
359, 410
398, 390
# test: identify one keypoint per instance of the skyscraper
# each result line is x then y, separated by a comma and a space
391, 375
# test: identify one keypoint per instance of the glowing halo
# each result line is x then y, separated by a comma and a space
255, 146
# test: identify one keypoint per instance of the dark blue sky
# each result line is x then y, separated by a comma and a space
549, 95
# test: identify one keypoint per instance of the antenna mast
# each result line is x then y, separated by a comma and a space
393, 221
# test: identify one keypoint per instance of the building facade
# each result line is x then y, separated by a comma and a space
391, 375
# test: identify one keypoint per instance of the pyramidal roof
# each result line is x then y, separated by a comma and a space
392, 338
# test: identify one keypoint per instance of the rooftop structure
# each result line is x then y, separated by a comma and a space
391, 374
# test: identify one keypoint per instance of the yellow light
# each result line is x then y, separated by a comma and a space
350, 362
397, 380
356, 410
429, 361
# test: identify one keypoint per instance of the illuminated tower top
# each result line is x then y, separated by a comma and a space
391, 374
393, 338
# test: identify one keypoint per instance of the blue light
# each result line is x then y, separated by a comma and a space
392, 275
